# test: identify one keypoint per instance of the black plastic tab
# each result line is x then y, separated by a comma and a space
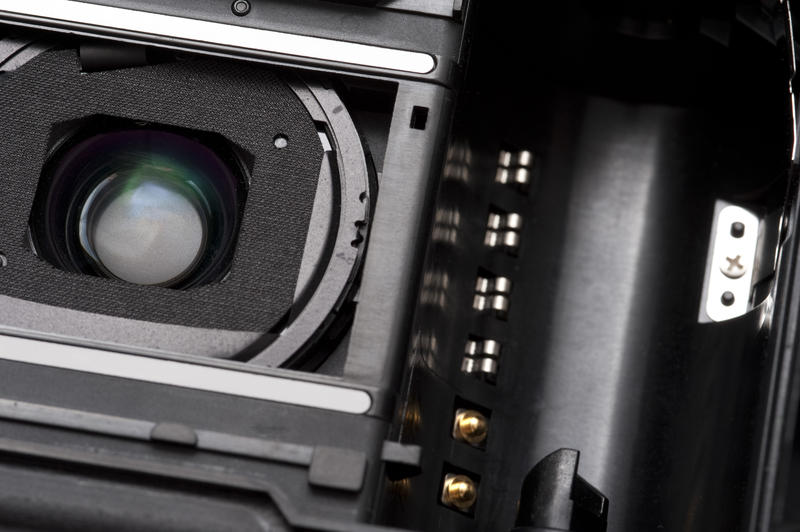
175, 434
341, 469
555, 498
402, 461
97, 56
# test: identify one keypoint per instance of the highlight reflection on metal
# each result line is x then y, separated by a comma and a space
503, 231
481, 358
459, 492
731, 262
71, 14
458, 164
515, 168
425, 346
446, 225
185, 375
435, 285
470, 426
492, 294
613, 201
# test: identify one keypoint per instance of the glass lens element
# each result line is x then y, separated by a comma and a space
143, 230
146, 206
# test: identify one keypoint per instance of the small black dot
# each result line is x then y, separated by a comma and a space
241, 7
737, 229
727, 299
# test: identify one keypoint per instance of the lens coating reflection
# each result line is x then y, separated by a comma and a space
144, 231
147, 206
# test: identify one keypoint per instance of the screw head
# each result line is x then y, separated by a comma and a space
470, 426
240, 7
460, 492
732, 267
737, 229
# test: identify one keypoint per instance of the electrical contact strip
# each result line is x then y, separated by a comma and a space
70, 14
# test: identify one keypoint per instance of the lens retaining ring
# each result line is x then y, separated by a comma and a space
351, 189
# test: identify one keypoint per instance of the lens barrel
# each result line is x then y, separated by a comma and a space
141, 203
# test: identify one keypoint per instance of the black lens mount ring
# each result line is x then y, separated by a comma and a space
329, 273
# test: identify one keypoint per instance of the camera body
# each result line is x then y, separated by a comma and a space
397, 265
293, 418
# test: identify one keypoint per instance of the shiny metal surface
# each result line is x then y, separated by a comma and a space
731, 261
601, 308
605, 314
70, 13
186, 375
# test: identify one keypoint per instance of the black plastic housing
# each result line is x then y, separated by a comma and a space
636, 134
640, 119
115, 441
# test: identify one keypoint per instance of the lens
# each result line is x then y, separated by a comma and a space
143, 229
146, 206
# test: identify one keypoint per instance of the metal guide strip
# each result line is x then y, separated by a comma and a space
78, 15
186, 375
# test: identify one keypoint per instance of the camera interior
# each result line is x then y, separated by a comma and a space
398, 265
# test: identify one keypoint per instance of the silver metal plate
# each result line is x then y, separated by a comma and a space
77, 15
729, 272
185, 375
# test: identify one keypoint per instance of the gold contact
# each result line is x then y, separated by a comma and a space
470, 426
459, 491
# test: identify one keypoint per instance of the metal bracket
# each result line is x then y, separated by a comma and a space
730, 264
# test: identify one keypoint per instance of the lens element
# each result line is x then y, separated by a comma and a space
147, 206
143, 230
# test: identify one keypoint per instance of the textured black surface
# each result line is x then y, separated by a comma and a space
246, 104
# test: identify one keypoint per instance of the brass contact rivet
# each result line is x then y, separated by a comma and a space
459, 491
470, 426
